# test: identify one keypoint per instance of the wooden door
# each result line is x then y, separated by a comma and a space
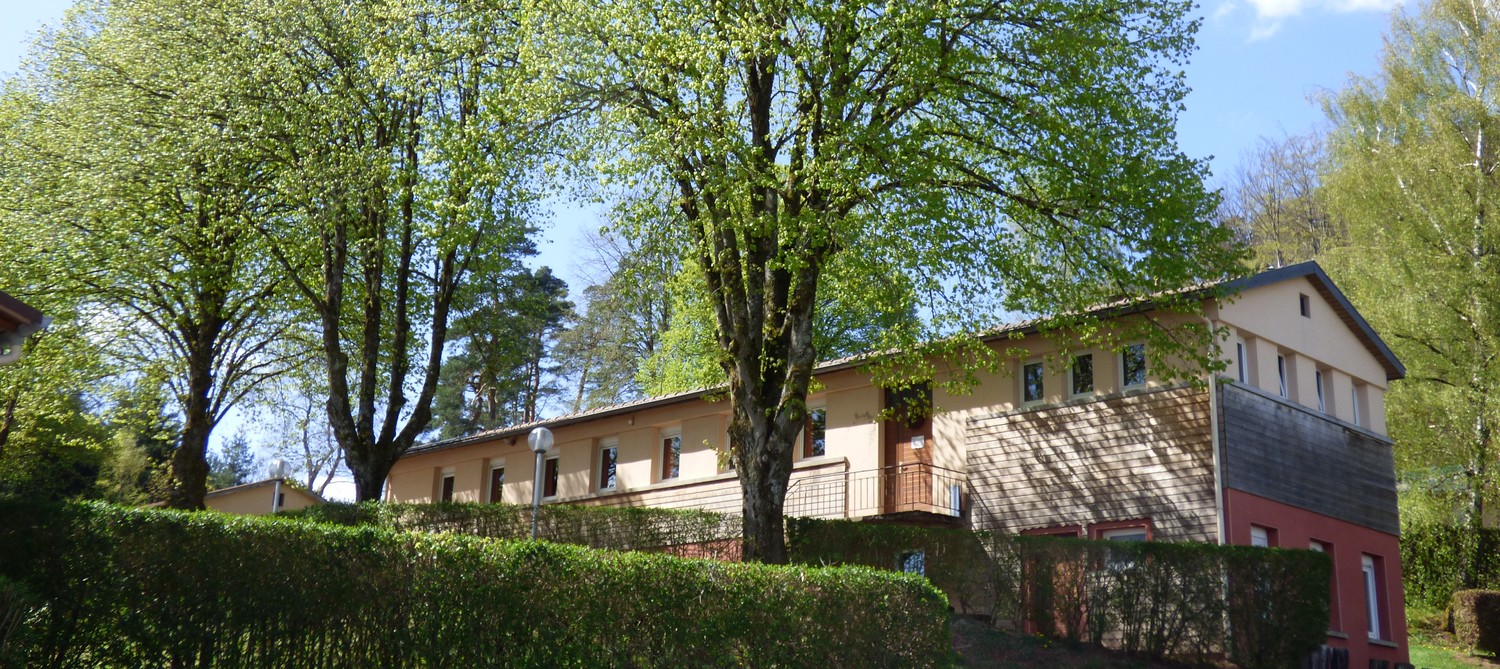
908, 446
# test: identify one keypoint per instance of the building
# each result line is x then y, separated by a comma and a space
17, 322
260, 498
1287, 449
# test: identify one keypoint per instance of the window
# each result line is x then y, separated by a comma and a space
446, 493
1281, 372
1262, 537
1031, 382
497, 483
1318, 379
1064, 531
1081, 376
280, 500
549, 478
671, 455
1370, 566
1133, 366
607, 455
1244, 361
1124, 534
1354, 401
815, 433
1304, 305
914, 562
1333, 583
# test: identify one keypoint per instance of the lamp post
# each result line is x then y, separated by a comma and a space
539, 440
279, 471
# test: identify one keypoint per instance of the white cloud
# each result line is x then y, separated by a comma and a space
1224, 10
1271, 14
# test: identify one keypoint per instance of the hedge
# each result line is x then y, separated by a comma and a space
701, 533
1433, 562
1260, 607
112, 587
1476, 619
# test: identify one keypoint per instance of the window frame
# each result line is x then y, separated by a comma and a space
551, 475
1354, 397
1124, 358
1304, 305
1102, 531
1267, 537
447, 478
1073, 378
670, 440
810, 428
496, 493
1059, 531
1242, 356
612, 447
1374, 612
1281, 373
1041, 385
1322, 398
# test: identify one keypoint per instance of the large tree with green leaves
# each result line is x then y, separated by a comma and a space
1007, 157
128, 175
1414, 172
402, 175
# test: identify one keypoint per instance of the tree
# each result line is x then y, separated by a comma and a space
235, 464
1275, 202
144, 433
1414, 174
1006, 158
402, 173
506, 328
134, 182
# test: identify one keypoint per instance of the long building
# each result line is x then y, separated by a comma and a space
1287, 447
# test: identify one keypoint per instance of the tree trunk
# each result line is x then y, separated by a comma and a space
190, 462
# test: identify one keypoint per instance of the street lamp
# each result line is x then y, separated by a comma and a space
539, 440
279, 471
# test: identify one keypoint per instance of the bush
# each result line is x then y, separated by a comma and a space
615, 528
137, 588
1261, 607
1476, 619
1434, 562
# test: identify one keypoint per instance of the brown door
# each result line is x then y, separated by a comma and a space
906, 480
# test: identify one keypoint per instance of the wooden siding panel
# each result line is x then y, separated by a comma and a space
1296, 456
1140, 455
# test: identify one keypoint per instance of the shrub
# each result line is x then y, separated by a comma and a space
1476, 619
137, 588
1434, 557
1261, 607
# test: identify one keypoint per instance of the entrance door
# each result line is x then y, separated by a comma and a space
908, 448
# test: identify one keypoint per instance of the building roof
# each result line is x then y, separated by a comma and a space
260, 484
1309, 270
16, 315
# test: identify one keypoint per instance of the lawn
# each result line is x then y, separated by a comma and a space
1432, 647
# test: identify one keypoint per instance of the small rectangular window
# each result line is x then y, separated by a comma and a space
1081, 376
1133, 366
1318, 379
1244, 362
497, 484
1032, 376
1124, 534
549, 478
671, 456
447, 492
1372, 595
1262, 537
1281, 372
1354, 401
607, 455
815, 433
1304, 305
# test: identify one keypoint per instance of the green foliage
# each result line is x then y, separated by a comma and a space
615, 528
235, 465
1437, 561
1476, 619
1264, 607
209, 590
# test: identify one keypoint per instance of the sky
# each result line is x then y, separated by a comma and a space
1259, 71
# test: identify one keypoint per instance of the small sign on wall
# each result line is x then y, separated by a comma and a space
918, 441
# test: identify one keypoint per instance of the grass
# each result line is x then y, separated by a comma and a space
980, 646
1433, 647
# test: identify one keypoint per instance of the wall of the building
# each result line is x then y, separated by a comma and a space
1269, 320
256, 500
1293, 527
1135, 456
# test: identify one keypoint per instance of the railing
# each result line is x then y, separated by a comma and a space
905, 488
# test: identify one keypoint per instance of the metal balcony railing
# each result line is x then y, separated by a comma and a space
895, 489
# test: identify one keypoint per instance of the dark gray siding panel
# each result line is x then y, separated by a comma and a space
1296, 456
1142, 455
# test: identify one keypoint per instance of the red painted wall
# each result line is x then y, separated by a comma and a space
1293, 527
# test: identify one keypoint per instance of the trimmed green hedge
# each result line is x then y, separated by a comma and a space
1433, 562
616, 528
1261, 607
134, 588
1476, 619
